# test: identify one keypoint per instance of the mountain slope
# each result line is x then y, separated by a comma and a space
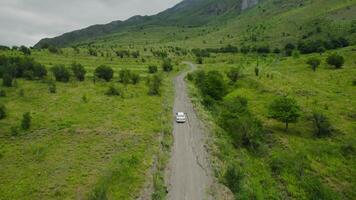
186, 13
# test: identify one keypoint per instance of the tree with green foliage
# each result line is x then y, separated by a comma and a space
154, 85
125, 76
284, 109
152, 69
167, 65
78, 71
335, 60
245, 130
52, 88
2, 93
26, 51
214, 85
26, 121
39, 70
2, 111
104, 72
61, 73
7, 80
113, 91
234, 74
199, 60
135, 78
257, 71
322, 126
233, 178
314, 63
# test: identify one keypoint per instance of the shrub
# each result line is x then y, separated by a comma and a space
154, 85
152, 69
348, 149
257, 71
53, 49
284, 109
7, 80
245, 130
314, 63
167, 65
113, 91
39, 70
78, 71
14, 131
234, 74
233, 178
322, 126
104, 72
354, 82
125, 76
214, 85
26, 121
199, 60
277, 51
135, 78
2, 111
2, 93
29, 75
52, 88
25, 50
61, 73
22, 93
336, 60
317, 190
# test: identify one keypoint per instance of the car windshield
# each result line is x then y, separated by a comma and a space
180, 114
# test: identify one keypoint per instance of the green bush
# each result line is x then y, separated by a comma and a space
26, 121
257, 71
29, 75
61, 73
284, 109
52, 88
154, 85
233, 178
2, 111
167, 65
214, 85
354, 82
7, 80
335, 60
104, 72
314, 63
113, 91
22, 93
316, 190
78, 71
125, 76
199, 60
322, 126
234, 74
135, 78
152, 69
2, 93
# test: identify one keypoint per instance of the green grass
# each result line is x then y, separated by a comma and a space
78, 149
326, 163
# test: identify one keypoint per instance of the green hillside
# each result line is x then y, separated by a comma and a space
107, 139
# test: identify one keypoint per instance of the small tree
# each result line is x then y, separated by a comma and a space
154, 85
234, 74
135, 78
152, 69
314, 63
2, 93
2, 112
39, 71
125, 76
322, 126
79, 71
167, 65
7, 80
61, 73
113, 91
335, 60
214, 85
284, 109
52, 88
25, 50
26, 121
104, 72
199, 60
257, 71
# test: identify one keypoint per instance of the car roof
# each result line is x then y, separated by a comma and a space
180, 113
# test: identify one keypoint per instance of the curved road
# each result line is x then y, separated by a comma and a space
189, 176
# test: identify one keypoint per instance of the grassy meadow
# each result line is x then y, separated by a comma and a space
82, 143
291, 164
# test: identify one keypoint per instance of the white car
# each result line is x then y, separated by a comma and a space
181, 117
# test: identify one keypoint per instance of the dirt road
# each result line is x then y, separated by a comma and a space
189, 176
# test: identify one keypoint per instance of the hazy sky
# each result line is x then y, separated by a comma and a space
27, 21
